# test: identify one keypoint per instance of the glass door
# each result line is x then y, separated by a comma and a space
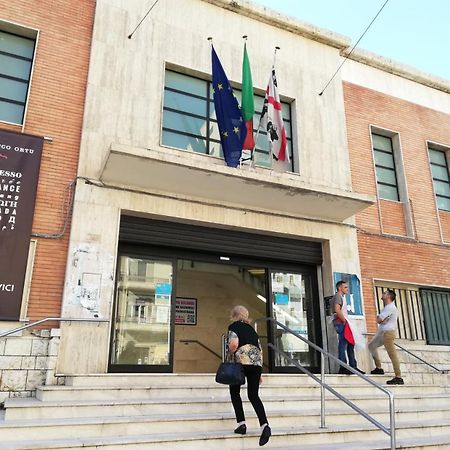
295, 305
142, 331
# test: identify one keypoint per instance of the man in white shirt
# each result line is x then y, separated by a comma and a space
387, 329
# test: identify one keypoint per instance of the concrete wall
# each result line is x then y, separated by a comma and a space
124, 105
94, 247
126, 79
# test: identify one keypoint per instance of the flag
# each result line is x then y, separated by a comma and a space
248, 105
229, 117
272, 120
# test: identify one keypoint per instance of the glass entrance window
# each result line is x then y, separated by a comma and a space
292, 304
142, 326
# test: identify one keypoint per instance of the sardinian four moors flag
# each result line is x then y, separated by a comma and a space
272, 121
229, 117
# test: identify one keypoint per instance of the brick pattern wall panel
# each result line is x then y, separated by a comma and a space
393, 218
445, 225
55, 109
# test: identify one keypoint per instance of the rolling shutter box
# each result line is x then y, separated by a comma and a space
138, 230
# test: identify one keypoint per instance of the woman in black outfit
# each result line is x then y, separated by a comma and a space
243, 343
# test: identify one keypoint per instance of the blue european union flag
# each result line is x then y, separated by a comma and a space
232, 127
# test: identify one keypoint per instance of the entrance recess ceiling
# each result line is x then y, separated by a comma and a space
138, 230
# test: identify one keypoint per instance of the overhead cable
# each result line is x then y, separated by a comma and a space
353, 48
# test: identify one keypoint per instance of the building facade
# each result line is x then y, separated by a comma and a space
44, 56
398, 133
165, 238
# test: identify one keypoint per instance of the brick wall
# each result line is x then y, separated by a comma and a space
55, 109
425, 260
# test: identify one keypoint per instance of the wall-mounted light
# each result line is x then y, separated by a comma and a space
224, 258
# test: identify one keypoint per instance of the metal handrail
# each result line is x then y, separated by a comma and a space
194, 341
443, 371
389, 431
51, 319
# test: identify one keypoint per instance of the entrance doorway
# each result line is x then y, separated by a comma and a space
170, 312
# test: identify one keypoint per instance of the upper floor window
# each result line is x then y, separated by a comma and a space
383, 153
441, 179
16, 59
189, 119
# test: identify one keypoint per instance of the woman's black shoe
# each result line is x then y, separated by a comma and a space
265, 435
241, 429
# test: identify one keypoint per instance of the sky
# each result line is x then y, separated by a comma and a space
412, 32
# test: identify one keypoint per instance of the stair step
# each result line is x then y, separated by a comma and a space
45, 393
108, 426
435, 442
282, 437
15, 408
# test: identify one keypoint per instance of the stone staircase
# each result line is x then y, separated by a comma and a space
174, 411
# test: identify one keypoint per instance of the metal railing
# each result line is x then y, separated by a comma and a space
51, 319
324, 386
443, 371
194, 341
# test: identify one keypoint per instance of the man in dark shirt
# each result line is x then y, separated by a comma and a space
339, 311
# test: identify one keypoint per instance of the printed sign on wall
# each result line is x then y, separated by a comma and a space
186, 311
354, 304
20, 159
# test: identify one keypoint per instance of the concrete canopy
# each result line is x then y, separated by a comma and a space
178, 173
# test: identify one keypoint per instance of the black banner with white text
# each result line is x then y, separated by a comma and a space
20, 158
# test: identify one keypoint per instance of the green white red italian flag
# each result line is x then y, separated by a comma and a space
247, 104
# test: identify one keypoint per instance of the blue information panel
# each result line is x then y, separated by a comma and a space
354, 303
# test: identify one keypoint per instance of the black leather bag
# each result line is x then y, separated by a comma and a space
230, 373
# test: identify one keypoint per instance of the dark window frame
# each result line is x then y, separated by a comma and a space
20, 80
446, 166
208, 98
392, 169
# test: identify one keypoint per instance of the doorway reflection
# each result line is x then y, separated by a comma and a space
292, 303
142, 313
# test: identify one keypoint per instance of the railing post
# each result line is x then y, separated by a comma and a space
392, 420
322, 390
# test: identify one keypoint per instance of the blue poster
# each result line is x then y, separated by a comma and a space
163, 288
281, 299
354, 304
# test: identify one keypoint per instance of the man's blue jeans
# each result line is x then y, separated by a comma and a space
344, 346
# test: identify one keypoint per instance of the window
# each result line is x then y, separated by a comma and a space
189, 119
383, 153
16, 59
441, 179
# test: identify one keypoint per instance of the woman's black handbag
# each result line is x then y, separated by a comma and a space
231, 373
